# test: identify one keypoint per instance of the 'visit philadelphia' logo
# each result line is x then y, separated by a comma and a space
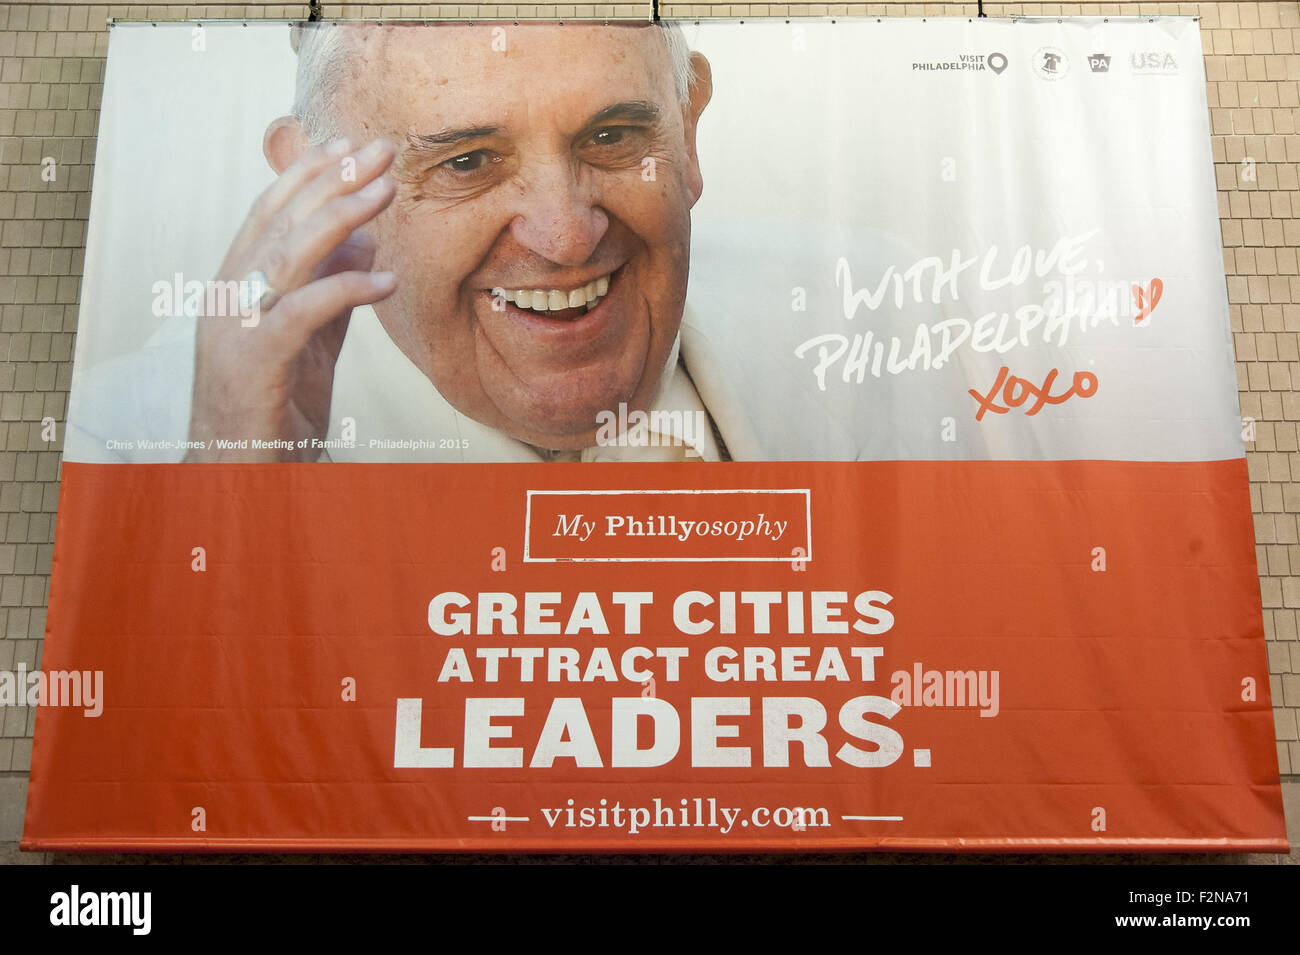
963, 63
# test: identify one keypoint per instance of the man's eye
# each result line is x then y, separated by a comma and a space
610, 135
469, 161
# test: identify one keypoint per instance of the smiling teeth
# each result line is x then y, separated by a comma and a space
554, 300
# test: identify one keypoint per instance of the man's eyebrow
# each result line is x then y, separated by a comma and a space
636, 111
639, 111
448, 137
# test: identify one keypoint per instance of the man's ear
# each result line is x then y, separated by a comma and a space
701, 93
283, 143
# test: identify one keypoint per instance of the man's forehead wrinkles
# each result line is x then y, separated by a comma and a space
373, 49
373, 70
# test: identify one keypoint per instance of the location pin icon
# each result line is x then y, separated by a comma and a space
997, 62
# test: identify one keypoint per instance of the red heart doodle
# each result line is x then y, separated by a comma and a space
1146, 299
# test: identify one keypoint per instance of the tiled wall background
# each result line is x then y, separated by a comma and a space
51, 71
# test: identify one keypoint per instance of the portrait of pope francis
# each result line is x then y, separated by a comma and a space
500, 231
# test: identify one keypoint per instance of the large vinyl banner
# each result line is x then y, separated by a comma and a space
716, 436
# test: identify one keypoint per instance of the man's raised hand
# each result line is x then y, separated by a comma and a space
273, 381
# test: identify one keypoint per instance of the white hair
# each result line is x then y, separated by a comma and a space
324, 48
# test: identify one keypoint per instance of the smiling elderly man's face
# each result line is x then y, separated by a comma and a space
541, 228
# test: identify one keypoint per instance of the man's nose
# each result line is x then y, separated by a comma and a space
558, 215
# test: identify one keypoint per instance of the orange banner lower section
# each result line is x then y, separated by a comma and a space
980, 655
